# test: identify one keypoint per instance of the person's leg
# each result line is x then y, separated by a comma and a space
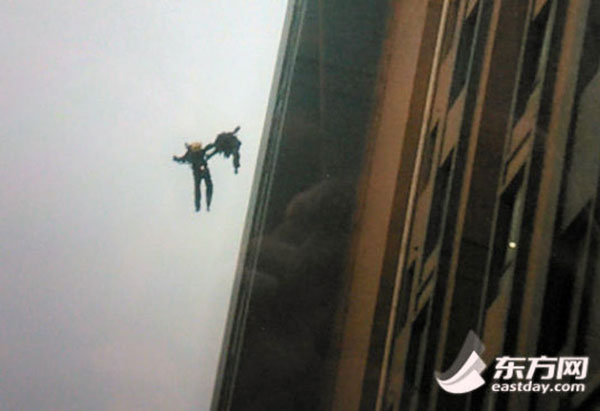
197, 194
209, 189
236, 161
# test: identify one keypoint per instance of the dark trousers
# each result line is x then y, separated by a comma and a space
199, 175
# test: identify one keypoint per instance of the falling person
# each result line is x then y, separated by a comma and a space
227, 144
196, 157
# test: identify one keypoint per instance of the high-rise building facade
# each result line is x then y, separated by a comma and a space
458, 144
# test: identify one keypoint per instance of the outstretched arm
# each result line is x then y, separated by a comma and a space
182, 159
210, 146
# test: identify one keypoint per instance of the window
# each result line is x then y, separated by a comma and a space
531, 60
463, 55
450, 27
427, 159
437, 207
404, 300
412, 359
588, 324
564, 263
506, 235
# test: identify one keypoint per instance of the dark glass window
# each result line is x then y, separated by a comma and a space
404, 301
564, 263
437, 207
450, 27
414, 350
463, 55
506, 235
531, 59
427, 160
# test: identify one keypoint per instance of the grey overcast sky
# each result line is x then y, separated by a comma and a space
113, 292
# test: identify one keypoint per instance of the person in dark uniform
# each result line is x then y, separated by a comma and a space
196, 157
227, 144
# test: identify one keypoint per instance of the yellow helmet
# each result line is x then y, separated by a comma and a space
193, 146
